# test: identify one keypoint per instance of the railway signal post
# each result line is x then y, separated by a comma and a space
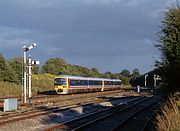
156, 77
25, 50
30, 63
145, 82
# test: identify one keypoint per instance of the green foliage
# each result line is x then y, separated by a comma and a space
6, 71
140, 80
94, 72
169, 45
16, 67
58, 66
125, 73
55, 66
135, 74
2, 67
125, 80
107, 74
36, 69
43, 77
42, 82
10, 89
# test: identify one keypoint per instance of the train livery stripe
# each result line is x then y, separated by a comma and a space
85, 87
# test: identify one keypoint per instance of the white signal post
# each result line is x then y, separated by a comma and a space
24, 73
25, 50
29, 74
145, 82
154, 80
156, 77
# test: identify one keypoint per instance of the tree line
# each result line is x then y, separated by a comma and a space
11, 70
169, 46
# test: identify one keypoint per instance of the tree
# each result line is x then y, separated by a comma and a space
169, 46
55, 66
125, 80
125, 73
135, 73
94, 72
107, 74
110, 75
36, 69
2, 67
16, 66
6, 71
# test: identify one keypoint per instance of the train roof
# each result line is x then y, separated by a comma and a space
86, 78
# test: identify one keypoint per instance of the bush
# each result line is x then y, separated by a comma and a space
10, 89
42, 82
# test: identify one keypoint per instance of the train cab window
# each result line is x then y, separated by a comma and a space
60, 81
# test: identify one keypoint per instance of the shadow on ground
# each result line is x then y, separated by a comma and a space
61, 116
47, 93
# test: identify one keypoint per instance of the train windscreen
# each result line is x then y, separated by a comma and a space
60, 81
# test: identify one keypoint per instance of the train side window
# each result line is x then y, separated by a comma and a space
93, 82
78, 82
72, 82
85, 82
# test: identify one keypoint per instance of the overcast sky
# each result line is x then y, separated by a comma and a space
110, 35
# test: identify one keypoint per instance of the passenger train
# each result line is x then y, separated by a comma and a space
65, 84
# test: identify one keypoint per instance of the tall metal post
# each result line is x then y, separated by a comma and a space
154, 80
145, 82
24, 67
29, 75
25, 50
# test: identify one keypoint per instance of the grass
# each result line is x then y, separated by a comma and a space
169, 120
10, 89
40, 83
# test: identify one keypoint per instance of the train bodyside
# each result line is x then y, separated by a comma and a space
73, 84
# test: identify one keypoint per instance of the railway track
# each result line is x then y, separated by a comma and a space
107, 119
43, 100
149, 124
139, 119
4, 120
39, 100
56, 98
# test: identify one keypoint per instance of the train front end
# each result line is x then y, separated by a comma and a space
61, 85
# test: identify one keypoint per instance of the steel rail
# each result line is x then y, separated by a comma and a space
31, 114
110, 109
133, 115
107, 115
144, 128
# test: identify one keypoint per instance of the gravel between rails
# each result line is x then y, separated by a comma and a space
53, 118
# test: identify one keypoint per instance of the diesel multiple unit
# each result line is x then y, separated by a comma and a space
65, 84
